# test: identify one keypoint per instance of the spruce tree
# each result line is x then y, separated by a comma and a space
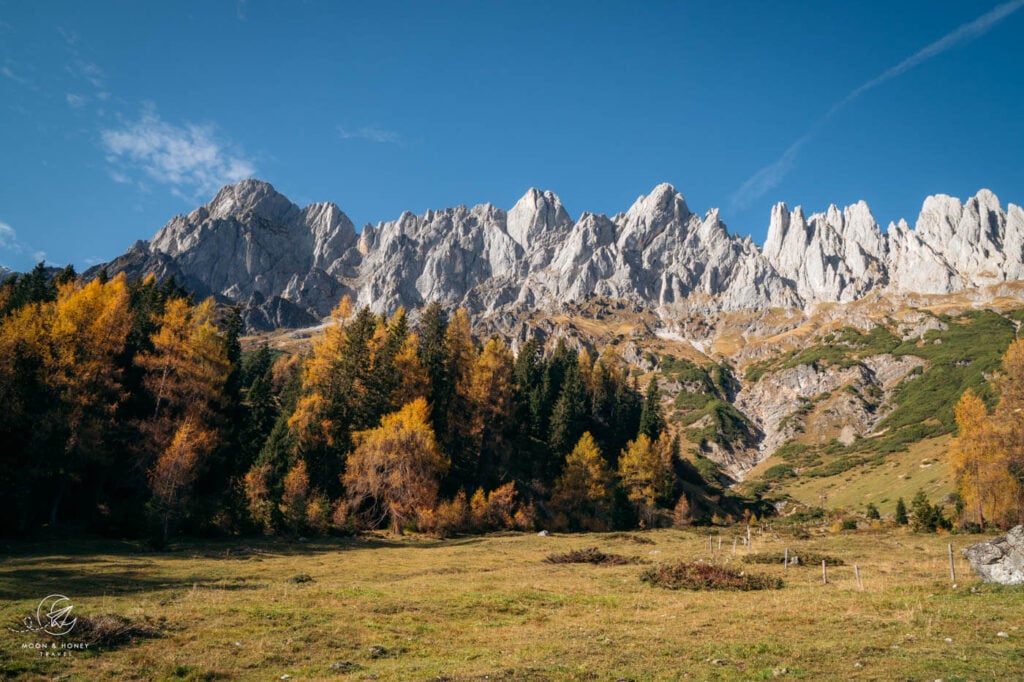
901, 512
433, 325
652, 422
569, 413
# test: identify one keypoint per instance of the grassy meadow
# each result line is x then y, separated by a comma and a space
414, 608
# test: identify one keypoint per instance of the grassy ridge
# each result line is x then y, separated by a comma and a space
705, 399
409, 608
964, 355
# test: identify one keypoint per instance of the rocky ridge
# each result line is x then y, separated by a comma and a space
289, 266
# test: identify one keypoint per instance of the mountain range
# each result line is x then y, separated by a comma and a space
289, 266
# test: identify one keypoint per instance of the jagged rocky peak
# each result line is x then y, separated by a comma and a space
663, 205
536, 215
255, 196
250, 244
838, 255
957, 244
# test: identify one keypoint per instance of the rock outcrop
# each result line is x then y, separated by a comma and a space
289, 265
1000, 560
832, 256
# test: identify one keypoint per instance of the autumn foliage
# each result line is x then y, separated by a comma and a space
987, 456
132, 408
396, 468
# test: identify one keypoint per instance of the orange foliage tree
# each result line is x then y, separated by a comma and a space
645, 471
185, 372
395, 468
176, 468
987, 456
584, 494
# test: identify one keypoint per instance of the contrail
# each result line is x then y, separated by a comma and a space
771, 175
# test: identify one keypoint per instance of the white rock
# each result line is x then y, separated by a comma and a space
251, 245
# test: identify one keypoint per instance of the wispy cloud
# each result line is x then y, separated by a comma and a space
9, 73
8, 237
89, 71
191, 159
79, 66
76, 101
10, 243
369, 133
770, 176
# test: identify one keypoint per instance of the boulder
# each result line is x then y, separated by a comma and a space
1000, 560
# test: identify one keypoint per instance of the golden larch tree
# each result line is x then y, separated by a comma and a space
176, 468
88, 325
584, 493
987, 456
645, 473
395, 468
185, 372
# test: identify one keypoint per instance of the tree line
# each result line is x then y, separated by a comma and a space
131, 408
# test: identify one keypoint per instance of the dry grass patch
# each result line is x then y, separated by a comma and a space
488, 606
795, 558
591, 555
683, 575
109, 630
632, 537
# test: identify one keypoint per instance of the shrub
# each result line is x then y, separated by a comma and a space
109, 630
779, 472
590, 555
635, 539
901, 512
447, 518
318, 513
682, 514
341, 520
700, 576
494, 510
926, 517
801, 558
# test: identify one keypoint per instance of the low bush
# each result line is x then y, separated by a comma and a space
700, 576
109, 630
590, 555
796, 558
629, 537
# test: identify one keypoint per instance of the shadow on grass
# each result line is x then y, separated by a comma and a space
33, 583
97, 549
91, 567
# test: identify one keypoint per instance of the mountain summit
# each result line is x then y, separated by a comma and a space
289, 266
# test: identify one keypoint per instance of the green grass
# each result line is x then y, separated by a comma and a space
961, 357
965, 355
704, 397
489, 607
880, 479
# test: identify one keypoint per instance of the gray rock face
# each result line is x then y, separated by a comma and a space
1000, 560
251, 245
832, 256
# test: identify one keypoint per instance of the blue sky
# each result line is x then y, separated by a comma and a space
115, 116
